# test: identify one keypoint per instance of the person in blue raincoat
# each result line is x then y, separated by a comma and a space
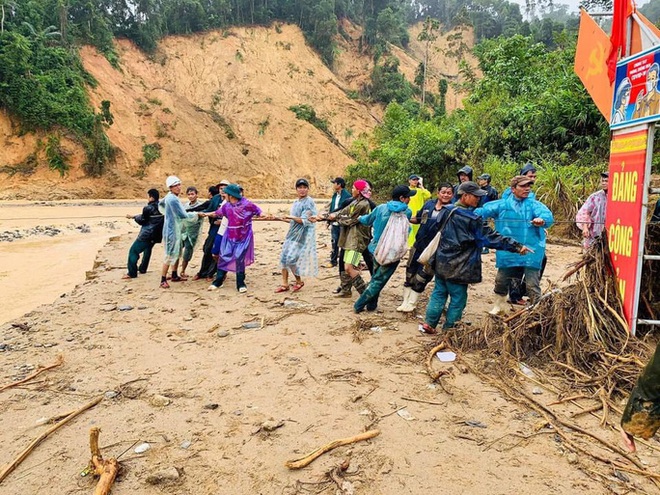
524, 219
378, 219
175, 214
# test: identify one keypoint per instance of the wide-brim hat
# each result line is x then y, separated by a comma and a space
233, 190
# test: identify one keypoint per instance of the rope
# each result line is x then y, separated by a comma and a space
45, 219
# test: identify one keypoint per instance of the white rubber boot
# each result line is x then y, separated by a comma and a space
500, 305
406, 296
411, 303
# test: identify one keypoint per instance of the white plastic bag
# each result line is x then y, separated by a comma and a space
393, 242
429, 251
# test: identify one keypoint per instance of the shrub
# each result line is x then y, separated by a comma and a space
308, 114
151, 153
55, 155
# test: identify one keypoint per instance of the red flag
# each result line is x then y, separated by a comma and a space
622, 10
593, 45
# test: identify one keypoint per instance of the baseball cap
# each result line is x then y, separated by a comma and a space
404, 191
302, 182
414, 176
361, 185
340, 181
470, 187
484, 177
172, 180
605, 175
521, 180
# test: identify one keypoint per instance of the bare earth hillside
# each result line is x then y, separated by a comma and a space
218, 106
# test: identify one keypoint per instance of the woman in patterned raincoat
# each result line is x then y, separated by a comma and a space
299, 249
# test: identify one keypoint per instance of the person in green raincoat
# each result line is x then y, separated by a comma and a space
175, 214
190, 229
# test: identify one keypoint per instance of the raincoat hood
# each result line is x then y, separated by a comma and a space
529, 167
396, 206
465, 170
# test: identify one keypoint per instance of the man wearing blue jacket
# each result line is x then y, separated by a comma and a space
378, 219
457, 261
525, 220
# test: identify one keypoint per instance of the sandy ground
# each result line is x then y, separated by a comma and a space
179, 370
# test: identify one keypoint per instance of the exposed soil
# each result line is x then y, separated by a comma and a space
311, 363
217, 104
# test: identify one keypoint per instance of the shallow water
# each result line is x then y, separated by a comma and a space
36, 269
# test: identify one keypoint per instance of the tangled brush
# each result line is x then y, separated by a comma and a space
577, 333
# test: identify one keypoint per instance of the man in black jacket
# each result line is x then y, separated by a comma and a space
209, 266
151, 233
458, 258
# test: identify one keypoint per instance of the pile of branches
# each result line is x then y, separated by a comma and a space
577, 333
649, 304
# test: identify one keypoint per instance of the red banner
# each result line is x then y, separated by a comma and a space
623, 219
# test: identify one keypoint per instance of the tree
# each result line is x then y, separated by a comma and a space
428, 35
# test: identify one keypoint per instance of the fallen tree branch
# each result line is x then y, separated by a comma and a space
60, 360
309, 458
106, 469
23, 455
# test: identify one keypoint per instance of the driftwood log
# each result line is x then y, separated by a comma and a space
26, 452
106, 469
309, 458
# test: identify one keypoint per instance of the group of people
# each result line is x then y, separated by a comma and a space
444, 238
446, 235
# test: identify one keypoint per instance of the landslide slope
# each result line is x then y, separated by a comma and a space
216, 106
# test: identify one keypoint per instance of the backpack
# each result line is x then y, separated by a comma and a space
393, 242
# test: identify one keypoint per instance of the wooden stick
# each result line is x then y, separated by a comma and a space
424, 401
429, 362
568, 399
309, 458
586, 411
23, 455
60, 360
106, 469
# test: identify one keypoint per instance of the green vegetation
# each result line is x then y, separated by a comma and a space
308, 114
55, 155
263, 125
529, 105
151, 153
42, 81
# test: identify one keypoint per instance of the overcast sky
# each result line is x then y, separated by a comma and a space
573, 4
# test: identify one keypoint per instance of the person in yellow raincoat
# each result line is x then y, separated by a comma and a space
416, 203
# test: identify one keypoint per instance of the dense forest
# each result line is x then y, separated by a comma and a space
525, 104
